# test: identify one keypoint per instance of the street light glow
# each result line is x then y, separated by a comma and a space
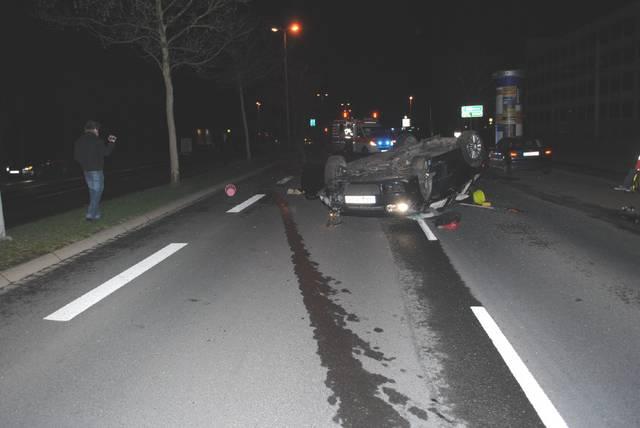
295, 28
275, 29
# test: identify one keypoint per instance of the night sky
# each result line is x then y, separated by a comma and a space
371, 54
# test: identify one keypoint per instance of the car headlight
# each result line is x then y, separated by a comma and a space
402, 207
372, 143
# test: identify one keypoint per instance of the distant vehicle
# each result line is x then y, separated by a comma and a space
47, 169
415, 176
19, 170
520, 153
351, 137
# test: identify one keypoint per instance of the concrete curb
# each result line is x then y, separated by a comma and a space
19, 272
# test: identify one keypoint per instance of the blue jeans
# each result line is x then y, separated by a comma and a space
95, 183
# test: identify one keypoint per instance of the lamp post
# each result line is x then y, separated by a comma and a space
295, 29
321, 96
258, 105
410, 104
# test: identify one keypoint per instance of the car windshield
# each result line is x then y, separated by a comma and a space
526, 144
373, 131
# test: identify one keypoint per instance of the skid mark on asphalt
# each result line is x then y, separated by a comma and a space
612, 216
546, 410
470, 374
356, 391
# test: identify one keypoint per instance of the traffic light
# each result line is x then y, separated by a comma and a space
374, 114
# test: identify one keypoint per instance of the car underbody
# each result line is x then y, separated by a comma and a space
417, 176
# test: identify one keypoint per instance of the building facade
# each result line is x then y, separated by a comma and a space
583, 89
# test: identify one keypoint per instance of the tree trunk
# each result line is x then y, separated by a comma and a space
171, 125
244, 117
174, 163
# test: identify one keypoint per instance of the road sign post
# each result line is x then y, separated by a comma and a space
471, 111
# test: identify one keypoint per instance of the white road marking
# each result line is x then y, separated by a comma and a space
537, 397
426, 230
246, 203
84, 302
285, 180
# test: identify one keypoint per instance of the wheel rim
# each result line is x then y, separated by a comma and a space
474, 147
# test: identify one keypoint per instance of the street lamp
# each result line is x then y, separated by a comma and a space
410, 104
294, 28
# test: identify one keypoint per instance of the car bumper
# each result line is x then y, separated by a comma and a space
394, 197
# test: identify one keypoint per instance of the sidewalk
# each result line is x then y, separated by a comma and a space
41, 244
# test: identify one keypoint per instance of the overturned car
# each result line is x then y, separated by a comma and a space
416, 176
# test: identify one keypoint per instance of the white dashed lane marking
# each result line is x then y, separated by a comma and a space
537, 397
426, 230
81, 304
285, 180
246, 203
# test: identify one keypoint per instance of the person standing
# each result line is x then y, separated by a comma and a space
628, 180
89, 151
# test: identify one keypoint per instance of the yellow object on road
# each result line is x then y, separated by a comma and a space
478, 197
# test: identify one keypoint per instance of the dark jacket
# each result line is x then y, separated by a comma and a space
90, 150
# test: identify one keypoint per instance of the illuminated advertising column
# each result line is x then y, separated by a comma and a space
508, 103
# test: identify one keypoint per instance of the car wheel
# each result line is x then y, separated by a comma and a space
405, 138
472, 149
425, 181
333, 168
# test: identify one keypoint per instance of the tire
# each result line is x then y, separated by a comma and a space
405, 138
425, 181
472, 148
333, 168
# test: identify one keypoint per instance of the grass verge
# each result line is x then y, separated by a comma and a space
43, 236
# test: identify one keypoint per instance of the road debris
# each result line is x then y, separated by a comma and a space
291, 191
230, 190
448, 221
630, 213
479, 198
489, 207
334, 218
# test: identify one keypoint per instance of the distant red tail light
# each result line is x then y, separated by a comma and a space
548, 152
513, 154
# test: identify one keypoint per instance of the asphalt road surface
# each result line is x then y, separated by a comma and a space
264, 316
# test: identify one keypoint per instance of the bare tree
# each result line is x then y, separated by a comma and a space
171, 33
249, 60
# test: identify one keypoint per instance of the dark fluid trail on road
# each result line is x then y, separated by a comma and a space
354, 389
479, 384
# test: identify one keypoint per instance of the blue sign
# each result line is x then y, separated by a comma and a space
312, 123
